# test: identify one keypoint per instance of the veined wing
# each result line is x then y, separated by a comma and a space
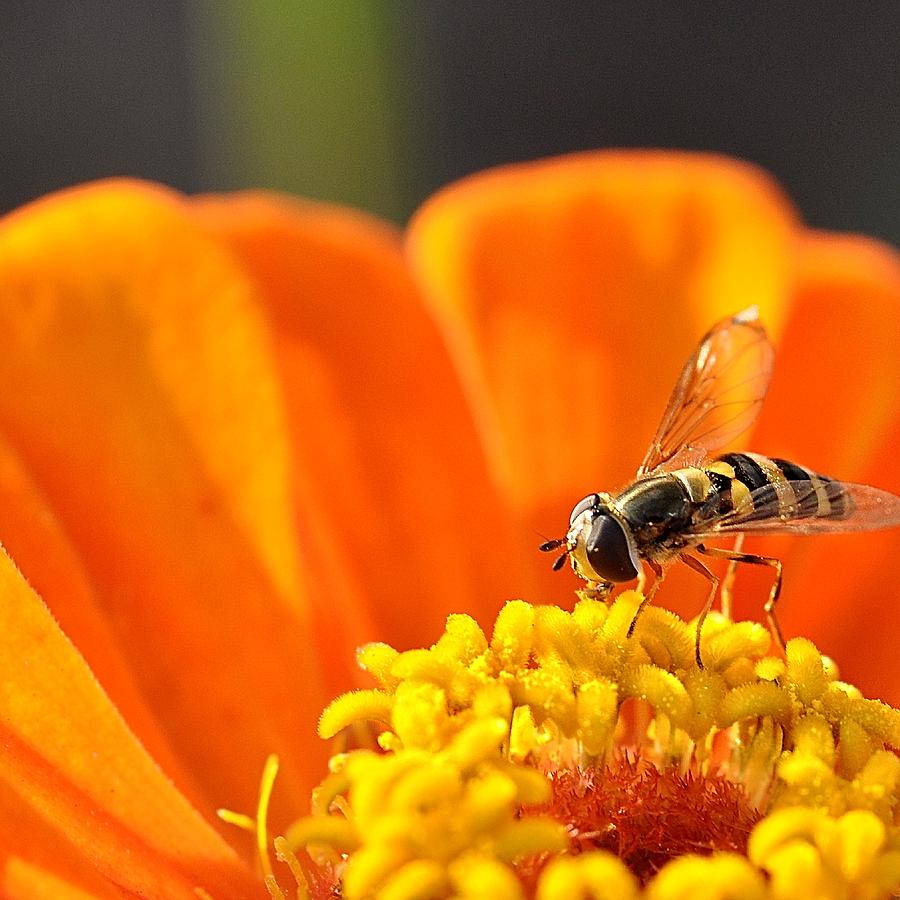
817, 507
717, 397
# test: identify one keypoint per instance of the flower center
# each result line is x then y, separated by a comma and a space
647, 816
566, 757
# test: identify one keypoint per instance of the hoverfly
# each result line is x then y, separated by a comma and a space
682, 497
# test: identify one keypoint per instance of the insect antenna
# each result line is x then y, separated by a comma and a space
547, 546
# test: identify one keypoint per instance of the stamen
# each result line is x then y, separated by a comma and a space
272, 887
284, 854
561, 736
270, 770
259, 824
245, 823
348, 708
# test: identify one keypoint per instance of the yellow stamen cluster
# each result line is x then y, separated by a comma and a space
420, 823
471, 732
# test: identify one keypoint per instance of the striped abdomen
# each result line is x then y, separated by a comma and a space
753, 487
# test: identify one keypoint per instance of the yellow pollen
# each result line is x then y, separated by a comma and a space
450, 793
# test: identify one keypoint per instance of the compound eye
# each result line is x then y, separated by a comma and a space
610, 552
589, 502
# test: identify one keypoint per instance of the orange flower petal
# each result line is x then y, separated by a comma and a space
861, 628
33, 537
37, 862
67, 756
835, 407
395, 504
837, 368
143, 402
571, 292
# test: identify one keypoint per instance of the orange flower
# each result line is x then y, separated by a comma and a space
240, 436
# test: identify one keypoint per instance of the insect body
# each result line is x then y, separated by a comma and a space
683, 498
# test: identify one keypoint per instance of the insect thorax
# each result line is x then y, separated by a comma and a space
656, 509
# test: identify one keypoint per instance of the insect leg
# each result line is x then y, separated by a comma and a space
660, 574
713, 580
728, 581
774, 593
597, 590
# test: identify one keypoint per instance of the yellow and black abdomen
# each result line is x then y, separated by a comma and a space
750, 487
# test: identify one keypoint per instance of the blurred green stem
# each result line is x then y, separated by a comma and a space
307, 97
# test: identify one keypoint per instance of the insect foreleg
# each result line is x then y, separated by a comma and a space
713, 579
660, 573
597, 590
735, 557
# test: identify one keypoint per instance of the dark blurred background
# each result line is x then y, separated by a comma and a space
378, 103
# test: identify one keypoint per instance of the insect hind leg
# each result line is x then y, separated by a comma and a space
735, 557
725, 594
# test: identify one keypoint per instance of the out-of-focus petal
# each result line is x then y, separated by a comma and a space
394, 501
33, 537
835, 407
68, 757
142, 399
834, 393
571, 291
38, 862
866, 632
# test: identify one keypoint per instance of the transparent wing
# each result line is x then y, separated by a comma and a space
855, 507
718, 395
